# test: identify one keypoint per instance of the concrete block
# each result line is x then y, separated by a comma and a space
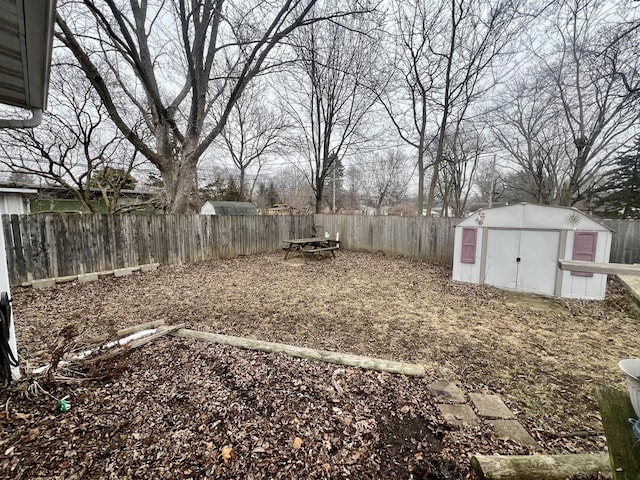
122, 272
511, 429
149, 267
490, 406
446, 391
460, 415
87, 277
44, 283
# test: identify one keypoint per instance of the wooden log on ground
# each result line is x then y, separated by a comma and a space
539, 467
615, 410
162, 330
594, 267
124, 332
369, 363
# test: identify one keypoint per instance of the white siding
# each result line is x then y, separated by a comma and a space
532, 233
586, 287
467, 272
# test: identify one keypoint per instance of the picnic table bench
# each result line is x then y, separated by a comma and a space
311, 245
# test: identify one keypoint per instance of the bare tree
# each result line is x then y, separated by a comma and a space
445, 53
171, 61
387, 176
250, 134
461, 160
597, 106
328, 97
75, 146
294, 189
528, 128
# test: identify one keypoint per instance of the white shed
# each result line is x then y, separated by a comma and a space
517, 247
228, 208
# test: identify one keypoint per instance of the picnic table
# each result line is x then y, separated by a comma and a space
311, 245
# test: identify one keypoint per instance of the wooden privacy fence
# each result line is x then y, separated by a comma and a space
56, 245
625, 243
414, 237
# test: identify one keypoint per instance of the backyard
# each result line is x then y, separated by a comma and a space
181, 408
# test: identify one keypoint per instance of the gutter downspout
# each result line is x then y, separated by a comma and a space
34, 121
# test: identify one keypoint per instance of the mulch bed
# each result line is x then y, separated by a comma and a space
185, 409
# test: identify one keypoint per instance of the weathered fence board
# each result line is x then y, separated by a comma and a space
625, 245
414, 237
56, 245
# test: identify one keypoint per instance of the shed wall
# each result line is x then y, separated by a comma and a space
467, 272
492, 264
593, 287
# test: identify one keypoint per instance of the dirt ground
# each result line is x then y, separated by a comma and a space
186, 409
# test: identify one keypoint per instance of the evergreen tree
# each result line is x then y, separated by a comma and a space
272, 195
619, 197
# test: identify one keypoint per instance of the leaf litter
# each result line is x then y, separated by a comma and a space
182, 409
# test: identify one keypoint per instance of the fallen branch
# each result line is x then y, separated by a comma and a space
161, 331
119, 334
539, 467
121, 345
334, 382
124, 332
369, 363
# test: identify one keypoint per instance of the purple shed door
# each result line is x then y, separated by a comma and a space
468, 251
584, 249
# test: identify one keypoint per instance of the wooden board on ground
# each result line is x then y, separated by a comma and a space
594, 267
615, 410
378, 364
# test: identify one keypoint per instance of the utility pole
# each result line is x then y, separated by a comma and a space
333, 204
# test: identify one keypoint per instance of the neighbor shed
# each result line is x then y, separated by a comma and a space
517, 247
228, 208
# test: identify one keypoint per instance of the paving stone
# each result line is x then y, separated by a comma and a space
458, 414
87, 277
149, 267
448, 391
513, 430
490, 406
44, 283
122, 272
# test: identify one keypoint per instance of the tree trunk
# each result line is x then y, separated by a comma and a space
420, 177
319, 192
179, 175
180, 188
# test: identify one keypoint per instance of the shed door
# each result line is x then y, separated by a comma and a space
523, 260
502, 245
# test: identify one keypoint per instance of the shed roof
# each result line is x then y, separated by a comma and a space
229, 208
530, 216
